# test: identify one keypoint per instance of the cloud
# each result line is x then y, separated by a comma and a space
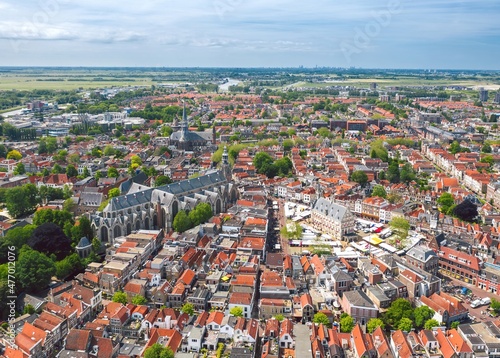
259, 29
30, 31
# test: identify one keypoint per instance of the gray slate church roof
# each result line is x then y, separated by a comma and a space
178, 189
330, 209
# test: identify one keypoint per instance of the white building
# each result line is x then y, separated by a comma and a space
332, 218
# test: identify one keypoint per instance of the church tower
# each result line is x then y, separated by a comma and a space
184, 130
226, 168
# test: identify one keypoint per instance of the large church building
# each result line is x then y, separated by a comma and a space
148, 208
186, 140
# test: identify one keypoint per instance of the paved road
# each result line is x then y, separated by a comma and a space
282, 222
302, 335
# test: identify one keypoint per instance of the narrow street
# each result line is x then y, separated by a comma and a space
282, 222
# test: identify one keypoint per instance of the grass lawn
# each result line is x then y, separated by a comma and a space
31, 83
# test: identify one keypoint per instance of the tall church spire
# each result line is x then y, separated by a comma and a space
225, 157
226, 168
184, 124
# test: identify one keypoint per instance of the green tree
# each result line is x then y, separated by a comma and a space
379, 190
394, 197
262, 161
109, 150
61, 155
486, 148
104, 203
378, 150
393, 174
86, 172
145, 138
399, 309
321, 318
445, 202
324, 132
57, 169
181, 222
407, 174
69, 205
22, 200
400, 227
51, 144
292, 230
166, 131
71, 171
374, 323
279, 317
58, 217
346, 323
220, 350
405, 324
488, 159
203, 213
83, 229
16, 237
28, 309
236, 311
136, 160
454, 325
42, 146
120, 297
431, 323
113, 193
34, 270
495, 305
162, 180
287, 145
96, 245
359, 177
74, 158
68, 265
188, 308
455, 147
113, 172
19, 169
158, 351
14, 154
421, 315
139, 300
282, 167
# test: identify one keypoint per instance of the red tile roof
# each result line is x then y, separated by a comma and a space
458, 342
459, 257
444, 345
403, 347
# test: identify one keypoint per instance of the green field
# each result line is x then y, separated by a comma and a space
30, 83
75, 78
382, 82
31, 78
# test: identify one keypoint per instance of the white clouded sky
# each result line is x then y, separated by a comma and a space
363, 33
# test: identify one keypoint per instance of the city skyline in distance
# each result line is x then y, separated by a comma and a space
232, 33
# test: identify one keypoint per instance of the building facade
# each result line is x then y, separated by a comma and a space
144, 208
332, 218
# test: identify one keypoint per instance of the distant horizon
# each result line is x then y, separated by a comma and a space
430, 70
